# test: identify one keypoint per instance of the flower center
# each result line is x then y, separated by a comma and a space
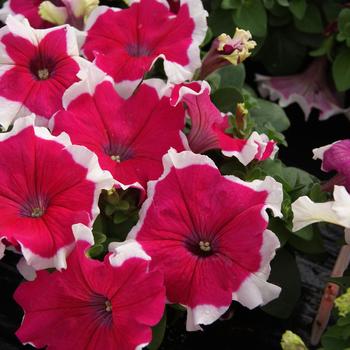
37, 212
116, 158
43, 74
108, 306
34, 207
138, 50
205, 246
199, 246
101, 306
119, 153
42, 68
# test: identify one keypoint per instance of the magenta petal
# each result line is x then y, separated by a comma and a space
96, 305
37, 67
336, 157
208, 126
129, 136
47, 185
197, 251
153, 32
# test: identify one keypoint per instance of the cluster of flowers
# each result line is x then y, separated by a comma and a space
78, 117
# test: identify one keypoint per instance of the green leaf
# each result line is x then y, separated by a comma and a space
344, 281
311, 21
284, 273
269, 4
306, 233
119, 217
269, 112
298, 8
278, 227
311, 246
252, 16
158, 332
226, 99
344, 22
281, 54
284, 3
221, 21
95, 251
123, 205
331, 9
231, 4
341, 70
325, 48
99, 237
333, 339
227, 77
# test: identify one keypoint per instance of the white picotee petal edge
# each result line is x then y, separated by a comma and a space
122, 251
175, 72
307, 212
5, 11
27, 271
203, 314
255, 290
97, 12
271, 186
185, 90
318, 153
2, 248
82, 232
90, 76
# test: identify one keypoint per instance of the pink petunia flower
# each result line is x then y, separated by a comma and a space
129, 136
125, 43
336, 156
28, 9
93, 305
208, 126
310, 89
208, 234
225, 50
47, 185
46, 14
36, 67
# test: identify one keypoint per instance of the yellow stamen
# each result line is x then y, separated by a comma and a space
43, 74
205, 246
108, 306
116, 158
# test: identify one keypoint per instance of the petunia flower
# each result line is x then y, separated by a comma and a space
36, 67
208, 234
28, 9
129, 136
47, 185
336, 156
307, 212
45, 14
208, 126
93, 305
310, 89
126, 43
226, 50
73, 12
